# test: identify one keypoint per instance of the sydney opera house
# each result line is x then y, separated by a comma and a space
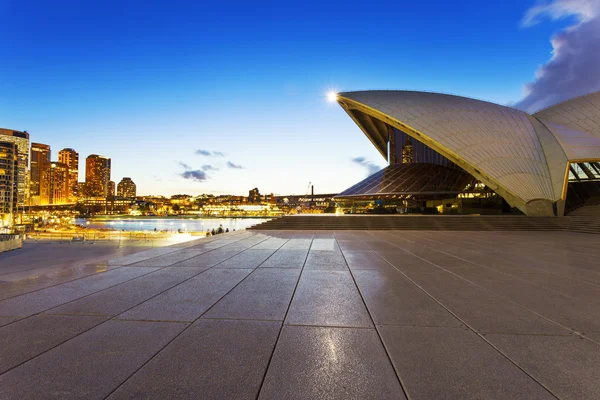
450, 154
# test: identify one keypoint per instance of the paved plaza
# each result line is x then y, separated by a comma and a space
314, 315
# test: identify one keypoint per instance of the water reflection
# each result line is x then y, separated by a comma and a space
169, 224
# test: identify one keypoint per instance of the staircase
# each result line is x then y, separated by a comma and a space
416, 222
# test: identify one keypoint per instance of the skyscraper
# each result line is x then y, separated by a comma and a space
21, 139
97, 176
126, 188
111, 189
39, 175
59, 183
71, 158
8, 182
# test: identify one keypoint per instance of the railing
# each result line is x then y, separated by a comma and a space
6, 237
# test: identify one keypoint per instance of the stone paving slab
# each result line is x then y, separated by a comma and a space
369, 259
30, 337
251, 258
325, 261
91, 365
7, 320
188, 301
454, 363
567, 365
330, 363
120, 298
42, 300
212, 359
328, 298
284, 258
29, 284
394, 300
325, 244
211, 258
496, 327
264, 295
170, 258
482, 310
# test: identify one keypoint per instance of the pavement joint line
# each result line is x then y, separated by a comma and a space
468, 326
485, 289
57, 284
108, 318
516, 277
489, 291
476, 241
532, 267
110, 268
366, 328
187, 248
385, 349
188, 323
262, 382
82, 297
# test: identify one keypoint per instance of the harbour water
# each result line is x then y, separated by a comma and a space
169, 224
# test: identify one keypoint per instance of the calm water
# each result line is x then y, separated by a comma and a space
189, 224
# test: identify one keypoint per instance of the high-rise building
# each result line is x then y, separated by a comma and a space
97, 176
39, 177
8, 182
21, 139
254, 196
111, 189
71, 158
59, 183
126, 188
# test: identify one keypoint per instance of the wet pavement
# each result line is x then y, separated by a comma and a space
311, 315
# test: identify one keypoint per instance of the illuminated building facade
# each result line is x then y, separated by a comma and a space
126, 188
8, 182
39, 178
59, 183
254, 196
111, 189
21, 139
70, 158
450, 152
97, 176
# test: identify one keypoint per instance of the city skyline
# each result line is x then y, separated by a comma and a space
217, 102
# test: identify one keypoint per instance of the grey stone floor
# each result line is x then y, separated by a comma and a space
315, 315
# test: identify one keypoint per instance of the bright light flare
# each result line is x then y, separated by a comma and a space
332, 96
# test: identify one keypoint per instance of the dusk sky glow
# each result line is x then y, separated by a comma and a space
220, 97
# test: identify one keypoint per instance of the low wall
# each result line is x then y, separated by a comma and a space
11, 244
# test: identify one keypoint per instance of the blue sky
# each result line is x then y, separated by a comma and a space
149, 84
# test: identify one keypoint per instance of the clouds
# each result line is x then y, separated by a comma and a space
201, 174
208, 153
196, 175
234, 166
368, 165
573, 69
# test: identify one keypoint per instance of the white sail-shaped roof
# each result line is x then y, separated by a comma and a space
512, 152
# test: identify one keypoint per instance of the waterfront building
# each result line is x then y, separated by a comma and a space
9, 173
452, 154
126, 188
21, 139
254, 196
97, 176
59, 183
39, 175
111, 189
71, 158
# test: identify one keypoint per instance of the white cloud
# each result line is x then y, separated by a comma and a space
574, 67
